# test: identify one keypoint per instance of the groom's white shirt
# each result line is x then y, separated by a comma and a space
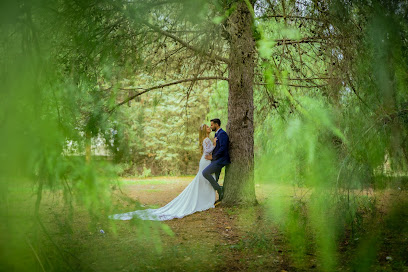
218, 130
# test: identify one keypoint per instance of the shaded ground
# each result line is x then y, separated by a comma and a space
224, 239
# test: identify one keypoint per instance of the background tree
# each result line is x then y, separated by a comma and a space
183, 43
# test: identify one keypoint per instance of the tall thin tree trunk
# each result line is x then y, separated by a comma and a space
239, 178
88, 146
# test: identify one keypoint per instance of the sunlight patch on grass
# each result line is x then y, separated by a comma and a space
152, 190
155, 180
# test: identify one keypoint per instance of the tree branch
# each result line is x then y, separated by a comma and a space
303, 40
313, 78
162, 86
293, 85
355, 92
291, 17
185, 44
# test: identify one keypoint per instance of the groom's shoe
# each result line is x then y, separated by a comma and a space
221, 193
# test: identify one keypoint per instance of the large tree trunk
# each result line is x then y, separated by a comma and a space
239, 178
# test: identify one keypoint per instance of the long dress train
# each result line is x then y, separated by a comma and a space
199, 195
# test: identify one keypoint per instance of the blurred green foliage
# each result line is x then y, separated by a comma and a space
50, 70
339, 137
334, 142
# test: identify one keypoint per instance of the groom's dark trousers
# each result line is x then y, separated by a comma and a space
220, 158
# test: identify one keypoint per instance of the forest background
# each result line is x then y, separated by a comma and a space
313, 95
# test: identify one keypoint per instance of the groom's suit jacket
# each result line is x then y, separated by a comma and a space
220, 152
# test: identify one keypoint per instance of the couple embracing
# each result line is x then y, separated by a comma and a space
199, 195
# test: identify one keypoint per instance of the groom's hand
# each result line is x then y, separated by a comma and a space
208, 157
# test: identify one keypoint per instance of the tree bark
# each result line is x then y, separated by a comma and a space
239, 178
88, 146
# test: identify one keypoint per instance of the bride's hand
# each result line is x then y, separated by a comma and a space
215, 141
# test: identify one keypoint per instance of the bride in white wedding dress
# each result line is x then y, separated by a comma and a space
199, 195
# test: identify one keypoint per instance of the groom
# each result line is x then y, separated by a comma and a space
219, 158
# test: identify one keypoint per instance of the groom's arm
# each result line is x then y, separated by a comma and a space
223, 142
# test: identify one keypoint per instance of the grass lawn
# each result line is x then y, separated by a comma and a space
219, 239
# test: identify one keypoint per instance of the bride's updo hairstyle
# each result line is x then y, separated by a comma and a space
202, 134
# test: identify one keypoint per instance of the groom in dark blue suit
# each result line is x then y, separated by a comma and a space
219, 158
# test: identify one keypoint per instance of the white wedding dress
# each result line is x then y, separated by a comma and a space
199, 195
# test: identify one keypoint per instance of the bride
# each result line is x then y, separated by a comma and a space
199, 195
